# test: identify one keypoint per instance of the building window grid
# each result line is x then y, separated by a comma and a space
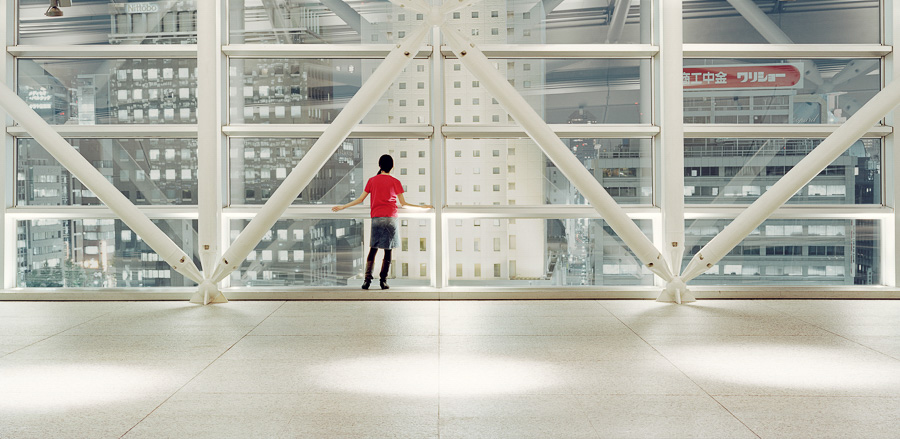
63, 210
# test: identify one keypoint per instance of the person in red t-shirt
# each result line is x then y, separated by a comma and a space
386, 191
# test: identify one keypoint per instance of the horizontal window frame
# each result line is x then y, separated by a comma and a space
574, 131
114, 131
639, 51
814, 211
23, 213
132, 51
316, 51
361, 131
785, 131
736, 51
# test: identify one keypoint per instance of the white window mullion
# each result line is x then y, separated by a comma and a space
890, 265
7, 160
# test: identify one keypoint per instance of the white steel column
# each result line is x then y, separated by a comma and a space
671, 142
8, 247
478, 64
890, 236
321, 151
801, 174
439, 263
209, 143
72, 160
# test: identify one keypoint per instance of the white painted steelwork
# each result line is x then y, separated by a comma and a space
801, 174
209, 141
111, 51
124, 131
314, 51
462, 131
368, 131
72, 160
617, 22
796, 131
770, 51
589, 51
320, 152
671, 146
511, 101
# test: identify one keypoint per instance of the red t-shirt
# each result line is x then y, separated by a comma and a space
384, 189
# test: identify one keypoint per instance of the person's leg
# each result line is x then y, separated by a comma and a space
385, 268
370, 262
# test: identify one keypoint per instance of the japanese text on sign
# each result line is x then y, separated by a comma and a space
747, 76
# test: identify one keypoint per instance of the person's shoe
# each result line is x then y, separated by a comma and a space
366, 284
384, 284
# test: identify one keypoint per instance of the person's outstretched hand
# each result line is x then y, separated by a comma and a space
336, 208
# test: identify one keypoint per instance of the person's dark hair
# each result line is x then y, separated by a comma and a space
386, 163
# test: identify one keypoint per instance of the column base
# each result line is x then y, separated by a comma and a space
676, 291
208, 292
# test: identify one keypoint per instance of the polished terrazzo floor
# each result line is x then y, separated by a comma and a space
490, 369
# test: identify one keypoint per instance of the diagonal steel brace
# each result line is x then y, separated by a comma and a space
72, 160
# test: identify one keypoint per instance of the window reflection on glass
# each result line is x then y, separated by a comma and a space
259, 165
724, 171
110, 91
109, 22
800, 21
810, 91
326, 252
97, 253
146, 171
577, 91
558, 252
793, 252
524, 176
488, 21
316, 90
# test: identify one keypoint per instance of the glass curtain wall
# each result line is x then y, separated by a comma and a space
506, 216
756, 99
64, 236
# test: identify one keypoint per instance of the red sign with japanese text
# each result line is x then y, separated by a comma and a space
746, 76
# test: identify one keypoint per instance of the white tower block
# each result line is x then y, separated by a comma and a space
72, 160
801, 174
477, 63
320, 152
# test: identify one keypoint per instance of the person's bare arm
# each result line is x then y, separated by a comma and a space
404, 203
352, 203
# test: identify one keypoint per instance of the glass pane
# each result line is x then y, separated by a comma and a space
554, 252
489, 21
110, 91
738, 171
561, 91
793, 252
316, 90
97, 253
516, 172
109, 22
777, 91
258, 166
331, 252
146, 171
801, 21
